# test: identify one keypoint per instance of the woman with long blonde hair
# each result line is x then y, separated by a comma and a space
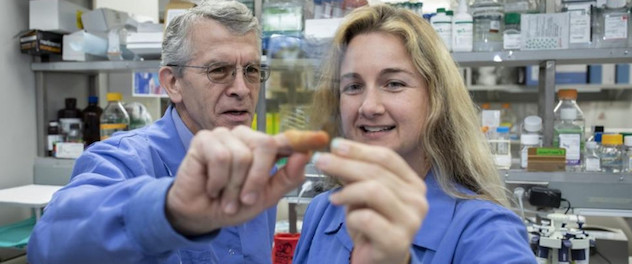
408, 151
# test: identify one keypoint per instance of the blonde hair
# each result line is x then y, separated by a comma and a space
452, 140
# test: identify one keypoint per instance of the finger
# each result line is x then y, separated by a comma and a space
288, 178
387, 158
215, 158
370, 226
301, 141
374, 195
264, 151
349, 170
241, 158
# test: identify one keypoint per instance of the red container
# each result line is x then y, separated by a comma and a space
284, 245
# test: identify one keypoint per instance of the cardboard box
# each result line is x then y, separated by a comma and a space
55, 15
546, 159
37, 42
103, 19
176, 8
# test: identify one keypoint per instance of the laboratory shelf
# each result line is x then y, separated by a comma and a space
587, 190
95, 66
562, 56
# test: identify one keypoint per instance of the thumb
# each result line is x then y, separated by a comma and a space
289, 177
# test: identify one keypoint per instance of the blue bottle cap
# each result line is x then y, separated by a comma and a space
93, 99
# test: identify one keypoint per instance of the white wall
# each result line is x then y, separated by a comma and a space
17, 110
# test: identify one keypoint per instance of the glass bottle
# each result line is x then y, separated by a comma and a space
487, 16
567, 135
74, 134
611, 156
92, 121
53, 136
592, 160
511, 35
70, 109
114, 117
628, 153
614, 25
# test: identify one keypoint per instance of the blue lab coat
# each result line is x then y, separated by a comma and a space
454, 231
112, 211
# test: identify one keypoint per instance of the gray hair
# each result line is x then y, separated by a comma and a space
235, 16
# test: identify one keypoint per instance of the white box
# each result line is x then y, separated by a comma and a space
103, 19
68, 150
54, 15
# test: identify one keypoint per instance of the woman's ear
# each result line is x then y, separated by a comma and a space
171, 85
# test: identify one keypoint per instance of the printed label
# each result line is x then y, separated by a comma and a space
571, 143
615, 27
593, 165
580, 26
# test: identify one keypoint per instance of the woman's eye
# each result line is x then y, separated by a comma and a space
351, 88
395, 84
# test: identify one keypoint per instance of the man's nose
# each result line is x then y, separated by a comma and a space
239, 87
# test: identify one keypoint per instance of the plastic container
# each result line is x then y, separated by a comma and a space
442, 24
502, 153
614, 25
488, 18
527, 141
568, 99
569, 136
92, 121
462, 29
511, 35
114, 117
611, 154
509, 119
592, 159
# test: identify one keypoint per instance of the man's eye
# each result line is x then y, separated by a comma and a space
218, 72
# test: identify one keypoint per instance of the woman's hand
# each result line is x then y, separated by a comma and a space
385, 199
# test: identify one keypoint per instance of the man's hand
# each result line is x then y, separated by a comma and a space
225, 180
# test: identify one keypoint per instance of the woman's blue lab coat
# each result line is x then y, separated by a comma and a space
112, 211
454, 231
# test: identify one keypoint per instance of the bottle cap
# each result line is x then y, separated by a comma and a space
502, 129
611, 139
530, 139
449, 13
114, 96
591, 145
440, 10
71, 102
53, 123
512, 18
628, 141
615, 3
598, 129
93, 99
533, 123
486, 106
568, 114
567, 94
505, 106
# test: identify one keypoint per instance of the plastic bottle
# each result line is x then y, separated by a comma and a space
509, 119
114, 117
580, 22
511, 35
442, 24
53, 136
527, 141
614, 23
532, 125
462, 29
92, 121
568, 136
487, 16
627, 158
611, 155
503, 148
568, 99
592, 160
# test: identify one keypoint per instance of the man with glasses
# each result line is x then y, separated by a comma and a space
195, 186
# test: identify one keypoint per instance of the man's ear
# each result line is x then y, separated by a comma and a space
171, 85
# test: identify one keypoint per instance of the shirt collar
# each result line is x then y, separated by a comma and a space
183, 131
434, 226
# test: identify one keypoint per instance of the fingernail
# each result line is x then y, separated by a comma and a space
333, 198
230, 208
315, 157
249, 198
339, 145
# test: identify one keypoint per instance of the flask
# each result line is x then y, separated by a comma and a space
487, 16
442, 24
614, 25
592, 160
511, 35
92, 121
462, 29
568, 99
611, 156
628, 154
568, 136
53, 136
114, 117
580, 22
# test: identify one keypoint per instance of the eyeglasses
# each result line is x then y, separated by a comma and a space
223, 73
